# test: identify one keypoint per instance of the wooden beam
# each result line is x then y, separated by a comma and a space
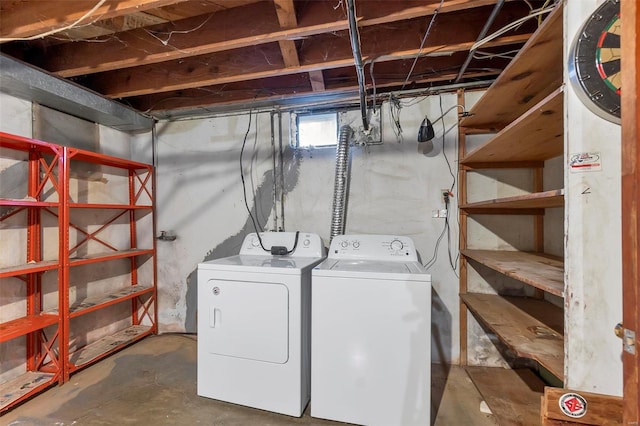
317, 81
203, 35
630, 15
287, 18
219, 68
286, 12
30, 18
598, 409
274, 89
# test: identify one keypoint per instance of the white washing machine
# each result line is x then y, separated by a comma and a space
254, 323
371, 333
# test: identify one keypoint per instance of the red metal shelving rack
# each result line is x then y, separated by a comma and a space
141, 296
42, 330
49, 358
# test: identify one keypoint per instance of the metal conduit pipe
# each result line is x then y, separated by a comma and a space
354, 35
341, 181
483, 33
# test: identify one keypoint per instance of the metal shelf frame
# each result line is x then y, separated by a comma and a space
49, 360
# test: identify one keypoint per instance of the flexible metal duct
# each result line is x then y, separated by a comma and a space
341, 182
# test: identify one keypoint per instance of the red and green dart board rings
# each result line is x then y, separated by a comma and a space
594, 62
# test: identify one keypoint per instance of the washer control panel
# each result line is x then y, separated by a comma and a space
383, 247
308, 245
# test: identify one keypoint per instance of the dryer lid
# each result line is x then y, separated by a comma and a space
265, 264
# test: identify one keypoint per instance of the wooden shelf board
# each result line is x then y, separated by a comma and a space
540, 271
22, 387
536, 200
98, 302
28, 268
102, 257
532, 328
512, 395
537, 135
25, 325
532, 75
107, 345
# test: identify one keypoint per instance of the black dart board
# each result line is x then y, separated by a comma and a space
594, 62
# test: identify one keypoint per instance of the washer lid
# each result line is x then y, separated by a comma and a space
264, 264
376, 269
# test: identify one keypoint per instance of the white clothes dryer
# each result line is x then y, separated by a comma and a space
371, 333
254, 323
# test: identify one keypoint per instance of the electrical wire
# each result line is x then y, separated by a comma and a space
244, 186
511, 26
424, 39
394, 115
54, 31
446, 229
354, 35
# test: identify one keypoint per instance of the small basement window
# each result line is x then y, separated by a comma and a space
317, 130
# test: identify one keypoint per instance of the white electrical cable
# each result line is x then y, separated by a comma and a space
54, 31
510, 26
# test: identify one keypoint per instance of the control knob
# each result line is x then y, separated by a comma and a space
396, 245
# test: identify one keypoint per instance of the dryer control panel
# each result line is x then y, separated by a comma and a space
307, 244
382, 247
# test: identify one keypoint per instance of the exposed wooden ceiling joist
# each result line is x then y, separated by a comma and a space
175, 54
30, 18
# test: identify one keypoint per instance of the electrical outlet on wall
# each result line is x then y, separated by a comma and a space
444, 195
439, 213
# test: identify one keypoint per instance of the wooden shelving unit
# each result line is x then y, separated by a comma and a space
519, 204
523, 110
540, 271
48, 192
519, 406
531, 328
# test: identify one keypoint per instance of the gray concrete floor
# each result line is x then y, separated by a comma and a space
154, 383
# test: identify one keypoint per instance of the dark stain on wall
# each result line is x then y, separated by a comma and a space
262, 206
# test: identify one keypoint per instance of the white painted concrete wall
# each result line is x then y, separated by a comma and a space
16, 117
593, 244
394, 188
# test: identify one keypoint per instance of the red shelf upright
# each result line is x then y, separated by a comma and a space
89, 234
42, 331
136, 200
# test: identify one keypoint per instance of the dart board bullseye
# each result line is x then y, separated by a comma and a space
594, 62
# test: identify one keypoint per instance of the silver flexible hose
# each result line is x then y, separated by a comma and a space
340, 185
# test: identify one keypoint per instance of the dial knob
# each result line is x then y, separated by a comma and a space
396, 245
344, 244
255, 242
356, 244
306, 243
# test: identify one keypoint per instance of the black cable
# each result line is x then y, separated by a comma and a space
244, 186
447, 225
354, 35
433, 259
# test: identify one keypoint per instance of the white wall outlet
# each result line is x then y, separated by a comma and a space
439, 214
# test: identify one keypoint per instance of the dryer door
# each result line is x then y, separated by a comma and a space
247, 320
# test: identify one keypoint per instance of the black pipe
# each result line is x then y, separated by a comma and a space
357, 56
